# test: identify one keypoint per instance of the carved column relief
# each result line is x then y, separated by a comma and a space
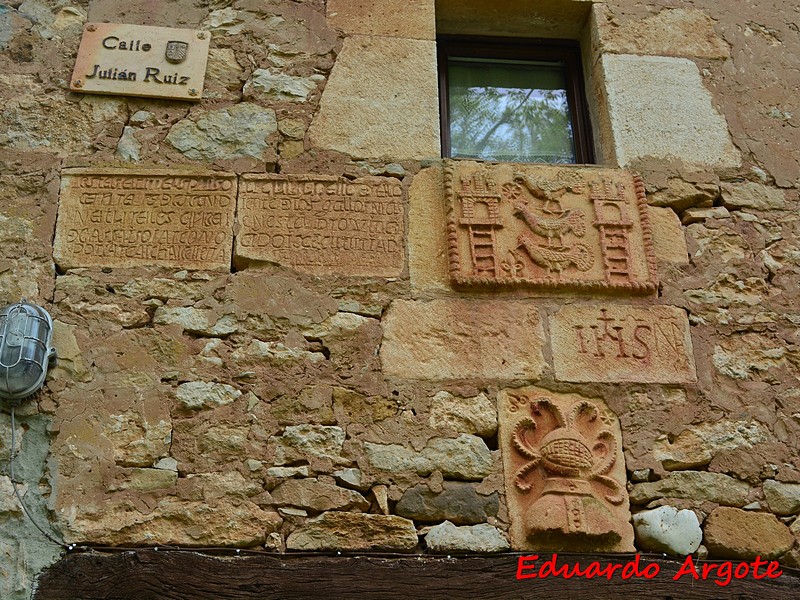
564, 472
548, 227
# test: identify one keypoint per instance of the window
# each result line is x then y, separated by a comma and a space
511, 100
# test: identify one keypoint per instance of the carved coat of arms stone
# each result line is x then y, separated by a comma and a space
176, 51
548, 227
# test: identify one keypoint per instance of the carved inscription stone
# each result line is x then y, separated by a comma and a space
322, 224
548, 227
564, 472
617, 343
125, 218
134, 60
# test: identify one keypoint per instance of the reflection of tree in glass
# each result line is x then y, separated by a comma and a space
510, 124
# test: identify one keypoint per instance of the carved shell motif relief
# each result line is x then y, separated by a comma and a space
565, 474
548, 227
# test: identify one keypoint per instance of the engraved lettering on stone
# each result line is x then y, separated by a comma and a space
545, 226
622, 343
125, 218
323, 224
564, 472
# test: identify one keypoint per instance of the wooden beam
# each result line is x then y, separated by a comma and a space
145, 574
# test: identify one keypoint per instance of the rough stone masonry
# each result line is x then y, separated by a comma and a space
271, 334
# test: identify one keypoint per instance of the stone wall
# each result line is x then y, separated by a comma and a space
340, 389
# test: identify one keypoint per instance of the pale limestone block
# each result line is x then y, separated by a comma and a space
173, 521
564, 472
301, 442
223, 69
354, 531
233, 132
658, 107
446, 537
749, 355
264, 85
466, 457
666, 529
699, 486
195, 395
317, 496
476, 415
783, 498
381, 100
427, 239
672, 32
455, 339
753, 195
697, 445
407, 19
669, 241
148, 480
616, 343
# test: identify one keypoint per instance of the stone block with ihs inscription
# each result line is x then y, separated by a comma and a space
548, 227
564, 472
616, 343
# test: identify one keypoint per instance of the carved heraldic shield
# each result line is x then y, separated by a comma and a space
176, 51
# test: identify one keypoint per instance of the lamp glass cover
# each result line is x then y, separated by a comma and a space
26, 333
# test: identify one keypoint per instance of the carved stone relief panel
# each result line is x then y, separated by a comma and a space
322, 224
128, 218
617, 343
564, 472
548, 227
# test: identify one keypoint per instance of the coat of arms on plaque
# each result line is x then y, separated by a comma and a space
548, 227
176, 51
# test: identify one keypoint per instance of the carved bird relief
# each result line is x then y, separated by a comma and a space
556, 260
552, 227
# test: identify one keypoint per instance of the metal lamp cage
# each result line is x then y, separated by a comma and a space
26, 351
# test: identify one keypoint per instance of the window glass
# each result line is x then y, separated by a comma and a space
510, 111
513, 100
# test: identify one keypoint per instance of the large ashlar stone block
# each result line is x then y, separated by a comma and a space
381, 100
669, 239
699, 486
427, 246
564, 472
671, 32
459, 339
409, 19
321, 224
658, 107
127, 218
616, 343
547, 227
543, 18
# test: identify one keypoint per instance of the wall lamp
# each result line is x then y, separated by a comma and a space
26, 351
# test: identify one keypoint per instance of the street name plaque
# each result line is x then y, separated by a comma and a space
134, 60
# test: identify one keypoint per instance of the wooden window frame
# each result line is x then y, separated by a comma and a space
567, 52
